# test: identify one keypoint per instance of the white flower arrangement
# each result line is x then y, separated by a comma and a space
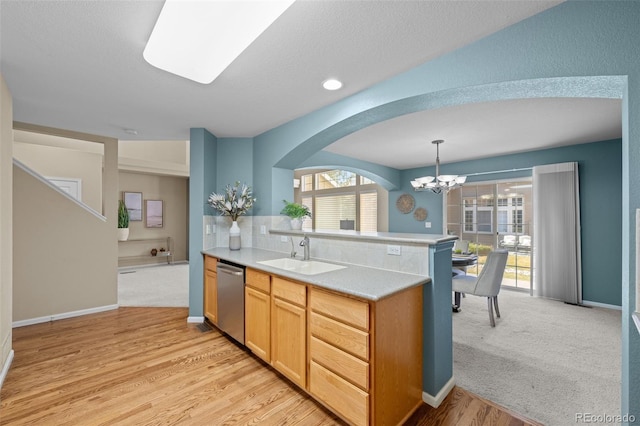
235, 201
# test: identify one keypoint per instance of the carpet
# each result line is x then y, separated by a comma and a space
546, 360
154, 286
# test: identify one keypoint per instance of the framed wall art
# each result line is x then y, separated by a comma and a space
154, 213
133, 201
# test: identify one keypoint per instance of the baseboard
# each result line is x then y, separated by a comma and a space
601, 305
130, 268
195, 320
435, 401
5, 368
63, 315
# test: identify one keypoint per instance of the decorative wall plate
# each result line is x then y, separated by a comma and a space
405, 203
420, 214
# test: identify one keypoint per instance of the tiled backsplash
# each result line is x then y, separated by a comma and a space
254, 232
222, 225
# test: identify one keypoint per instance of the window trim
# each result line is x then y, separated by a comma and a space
357, 189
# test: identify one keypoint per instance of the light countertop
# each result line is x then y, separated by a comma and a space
397, 237
360, 281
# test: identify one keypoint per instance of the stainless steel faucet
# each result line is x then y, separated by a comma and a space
305, 243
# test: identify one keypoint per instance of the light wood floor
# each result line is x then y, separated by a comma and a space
147, 366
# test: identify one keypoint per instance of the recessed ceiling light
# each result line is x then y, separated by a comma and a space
332, 84
199, 39
131, 131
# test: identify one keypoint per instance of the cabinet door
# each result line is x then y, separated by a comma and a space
288, 350
211, 295
258, 323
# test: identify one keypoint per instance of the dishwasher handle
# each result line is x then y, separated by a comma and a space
229, 270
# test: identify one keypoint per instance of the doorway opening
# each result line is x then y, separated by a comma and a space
492, 215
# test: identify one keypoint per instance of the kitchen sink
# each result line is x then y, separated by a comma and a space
305, 267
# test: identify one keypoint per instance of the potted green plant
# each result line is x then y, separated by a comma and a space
297, 212
123, 221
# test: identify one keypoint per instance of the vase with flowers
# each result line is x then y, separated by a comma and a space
233, 202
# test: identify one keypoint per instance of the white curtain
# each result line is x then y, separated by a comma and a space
556, 237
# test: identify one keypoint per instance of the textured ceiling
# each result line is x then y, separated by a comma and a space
78, 65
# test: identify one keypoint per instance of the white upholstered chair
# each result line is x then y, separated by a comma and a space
524, 242
486, 284
508, 241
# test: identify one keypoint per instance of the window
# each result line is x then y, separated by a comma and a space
468, 220
335, 179
485, 214
331, 209
307, 222
484, 219
509, 219
369, 211
478, 215
307, 183
517, 221
503, 225
339, 199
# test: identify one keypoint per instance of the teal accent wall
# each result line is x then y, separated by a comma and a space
600, 171
235, 162
578, 48
386, 177
271, 184
437, 323
202, 181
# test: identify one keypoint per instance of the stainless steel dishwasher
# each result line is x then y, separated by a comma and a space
231, 299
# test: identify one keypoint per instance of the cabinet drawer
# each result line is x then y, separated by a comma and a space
351, 368
290, 291
343, 397
210, 263
350, 311
258, 280
347, 338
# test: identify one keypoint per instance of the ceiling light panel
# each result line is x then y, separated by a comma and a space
198, 39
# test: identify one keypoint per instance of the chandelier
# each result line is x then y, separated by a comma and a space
440, 182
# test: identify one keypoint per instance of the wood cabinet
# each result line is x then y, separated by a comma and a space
365, 358
258, 313
211, 289
339, 354
289, 329
361, 359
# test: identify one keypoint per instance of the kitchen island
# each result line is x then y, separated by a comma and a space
351, 338
365, 282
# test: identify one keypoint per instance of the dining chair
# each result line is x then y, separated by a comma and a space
486, 284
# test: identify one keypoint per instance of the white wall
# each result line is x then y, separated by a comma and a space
57, 162
174, 192
64, 256
6, 225
170, 158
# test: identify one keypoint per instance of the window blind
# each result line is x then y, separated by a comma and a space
369, 211
330, 209
307, 221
